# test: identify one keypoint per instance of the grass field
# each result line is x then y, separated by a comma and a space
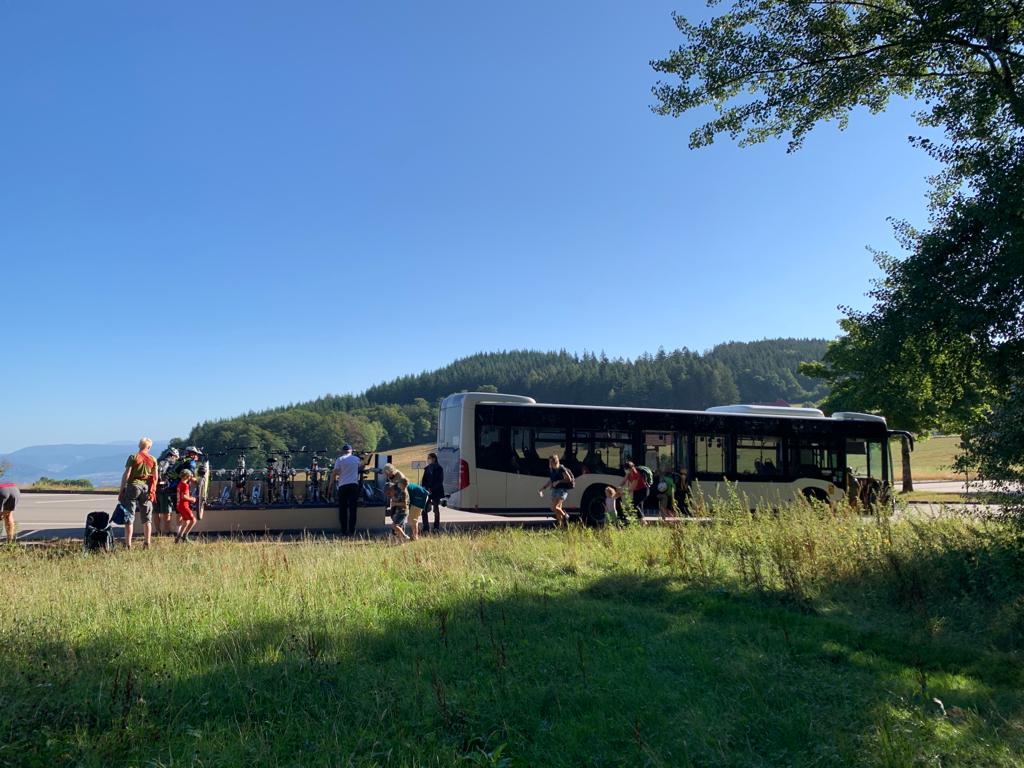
404, 457
931, 459
789, 641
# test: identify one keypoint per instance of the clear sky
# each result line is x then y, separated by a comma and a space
207, 208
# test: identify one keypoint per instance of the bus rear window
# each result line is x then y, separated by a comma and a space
449, 427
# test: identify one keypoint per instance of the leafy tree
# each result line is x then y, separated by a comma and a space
943, 344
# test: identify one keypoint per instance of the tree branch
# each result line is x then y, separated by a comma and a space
860, 4
812, 64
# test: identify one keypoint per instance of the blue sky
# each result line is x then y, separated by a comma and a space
207, 208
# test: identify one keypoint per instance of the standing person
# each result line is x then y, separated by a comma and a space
433, 481
186, 518
560, 480
682, 495
189, 461
611, 507
347, 470
9, 495
138, 492
397, 490
164, 493
637, 483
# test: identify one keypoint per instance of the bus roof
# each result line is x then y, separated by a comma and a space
790, 412
486, 397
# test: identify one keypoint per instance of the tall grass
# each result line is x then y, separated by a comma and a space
796, 637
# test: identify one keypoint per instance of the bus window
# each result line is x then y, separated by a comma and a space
813, 458
857, 457
709, 454
758, 455
601, 452
492, 449
665, 452
449, 426
875, 460
531, 449
864, 457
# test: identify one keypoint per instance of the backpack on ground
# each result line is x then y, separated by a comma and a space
98, 535
647, 475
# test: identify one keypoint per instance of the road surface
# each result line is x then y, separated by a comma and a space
62, 515
951, 486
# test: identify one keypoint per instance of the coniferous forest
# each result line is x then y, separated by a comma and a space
404, 411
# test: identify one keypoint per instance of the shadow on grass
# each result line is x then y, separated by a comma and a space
630, 670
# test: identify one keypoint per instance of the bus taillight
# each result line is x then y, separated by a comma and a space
463, 474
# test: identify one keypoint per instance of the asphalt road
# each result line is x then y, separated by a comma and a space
62, 515
949, 486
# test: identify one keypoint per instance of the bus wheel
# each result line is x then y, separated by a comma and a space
592, 508
815, 494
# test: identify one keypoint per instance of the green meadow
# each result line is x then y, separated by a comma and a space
798, 639
931, 459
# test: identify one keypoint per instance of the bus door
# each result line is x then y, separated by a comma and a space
866, 470
710, 464
667, 452
494, 462
531, 449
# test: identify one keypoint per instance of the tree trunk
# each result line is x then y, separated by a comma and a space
908, 480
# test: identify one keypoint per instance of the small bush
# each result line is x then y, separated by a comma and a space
49, 482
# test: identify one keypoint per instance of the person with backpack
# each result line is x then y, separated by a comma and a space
560, 481
419, 497
164, 493
638, 480
138, 492
668, 507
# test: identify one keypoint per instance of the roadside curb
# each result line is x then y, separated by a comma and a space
78, 491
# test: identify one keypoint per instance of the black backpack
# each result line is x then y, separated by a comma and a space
570, 479
164, 468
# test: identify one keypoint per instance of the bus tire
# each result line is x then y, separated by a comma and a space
815, 494
592, 507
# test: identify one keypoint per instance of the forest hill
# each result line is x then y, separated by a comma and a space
404, 411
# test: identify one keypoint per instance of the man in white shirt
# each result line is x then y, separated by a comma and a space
347, 471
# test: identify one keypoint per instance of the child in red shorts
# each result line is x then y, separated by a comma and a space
186, 519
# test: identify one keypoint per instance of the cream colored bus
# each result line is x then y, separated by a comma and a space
494, 449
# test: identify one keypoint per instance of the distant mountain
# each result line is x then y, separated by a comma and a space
101, 463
